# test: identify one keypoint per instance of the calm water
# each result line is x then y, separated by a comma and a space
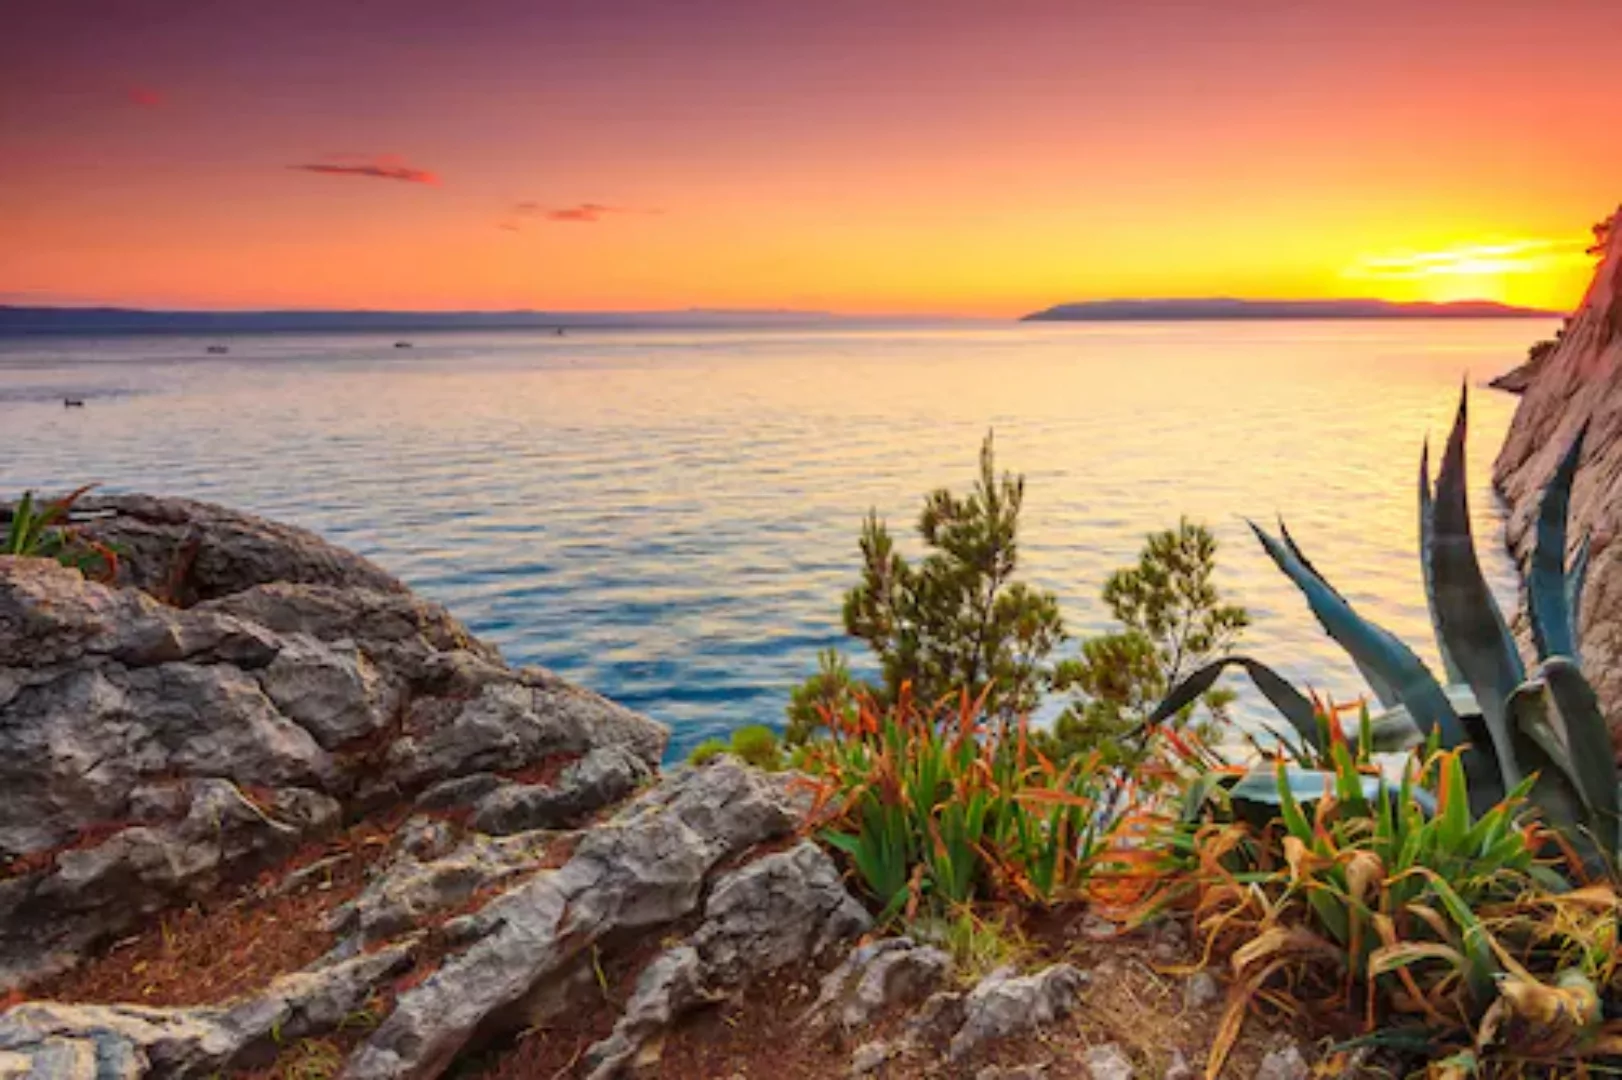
670, 518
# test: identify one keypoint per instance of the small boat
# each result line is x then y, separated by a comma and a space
402, 344
73, 403
219, 349
559, 332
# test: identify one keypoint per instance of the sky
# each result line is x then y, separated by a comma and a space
903, 156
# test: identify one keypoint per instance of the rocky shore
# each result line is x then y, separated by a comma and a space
1577, 384
265, 812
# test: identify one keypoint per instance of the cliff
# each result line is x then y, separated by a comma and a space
1579, 381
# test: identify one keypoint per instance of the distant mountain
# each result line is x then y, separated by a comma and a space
106, 320
1224, 308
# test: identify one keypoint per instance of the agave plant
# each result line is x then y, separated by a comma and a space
1511, 723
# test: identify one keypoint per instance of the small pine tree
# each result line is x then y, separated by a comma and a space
956, 620
1173, 621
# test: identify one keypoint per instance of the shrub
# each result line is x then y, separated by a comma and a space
755, 745
758, 746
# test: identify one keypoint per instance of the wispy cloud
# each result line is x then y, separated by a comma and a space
379, 167
146, 97
587, 213
1508, 257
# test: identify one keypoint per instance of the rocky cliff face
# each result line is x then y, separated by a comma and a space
1580, 381
151, 749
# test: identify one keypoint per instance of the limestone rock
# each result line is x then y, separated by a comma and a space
645, 867
1580, 381
1108, 1062
250, 669
1201, 991
1005, 1004
1285, 1064
603, 777
131, 1040
878, 976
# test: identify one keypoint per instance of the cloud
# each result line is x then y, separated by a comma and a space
146, 97
583, 213
381, 167
1509, 257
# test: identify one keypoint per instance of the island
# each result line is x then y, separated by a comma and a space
1214, 308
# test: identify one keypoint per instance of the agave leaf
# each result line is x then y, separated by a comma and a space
1395, 730
1467, 616
1558, 786
1372, 647
1554, 630
1576, 578
1427, 525
1382, 687
1588, 741
1290, 702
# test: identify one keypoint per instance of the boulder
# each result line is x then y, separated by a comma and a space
644, 868
785, 908
877, 977
248, 672
1004, 1004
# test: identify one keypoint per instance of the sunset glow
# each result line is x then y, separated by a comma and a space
882, 157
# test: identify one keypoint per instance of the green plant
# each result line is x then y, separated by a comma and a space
937, 809
707, 751
755, 744
1172, 620
758, 746
1446, 919
956, 619
1510, 725
42, 531
831, 691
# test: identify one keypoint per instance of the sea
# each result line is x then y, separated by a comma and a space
670, 517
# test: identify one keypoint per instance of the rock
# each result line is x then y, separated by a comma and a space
1285, 1064
785, 908
246, 668
47, 919
408, 889
130, 1040
1579, 381
870, 1057
1005, 1004
1201, 991
1179, 1068
646, 867
188, 551
876, 977
937, 1020
332, 691
1108, 1062
603, 777
672, 984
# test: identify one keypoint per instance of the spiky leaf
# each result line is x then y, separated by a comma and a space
1467, 616
1554, 623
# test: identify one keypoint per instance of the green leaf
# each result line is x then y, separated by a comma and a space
1588, 740
1554, 630
1427, 525
1372, 647
1290, 702
1467, 616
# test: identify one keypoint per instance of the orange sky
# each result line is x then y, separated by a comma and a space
940, 156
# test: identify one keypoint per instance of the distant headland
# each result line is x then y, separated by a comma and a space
1225, 308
